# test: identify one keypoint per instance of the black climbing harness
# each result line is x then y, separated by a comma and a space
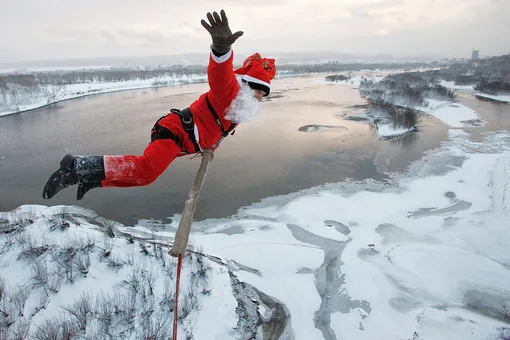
161, 132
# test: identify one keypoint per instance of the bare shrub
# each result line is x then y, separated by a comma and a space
187, 304
42, 303
23, 218
82, 263
65, 267
108, 246
143, 248
20, 330
31, 252
81, 310
203, 267
124, 307
60, 220
150, 281
503, 333
115, 262
133, 283
39, 273
79, 243
7, 310
42, 277
505, 308
18, 299
54, 282
55, 328
108, 227
105, 314
168, 298
190, 329
170, 265
155, 327
25, 238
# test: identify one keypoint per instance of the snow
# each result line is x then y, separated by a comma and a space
501, 98
470, 89
415, 252
454, 115
451, 85
112, 262
425, 256
13, 70
353, 81
19, 101
434, 240
388, 131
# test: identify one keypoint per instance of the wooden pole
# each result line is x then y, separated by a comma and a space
184, 229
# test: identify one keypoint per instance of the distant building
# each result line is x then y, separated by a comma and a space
475, 55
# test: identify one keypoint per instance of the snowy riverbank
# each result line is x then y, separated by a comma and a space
21, 99
424, 257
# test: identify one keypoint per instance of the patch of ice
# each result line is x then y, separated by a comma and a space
452, 114
453, 86
387, 131
500, 98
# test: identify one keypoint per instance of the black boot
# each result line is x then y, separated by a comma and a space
86, 171
84, 187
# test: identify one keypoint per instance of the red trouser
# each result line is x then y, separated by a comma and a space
131, 170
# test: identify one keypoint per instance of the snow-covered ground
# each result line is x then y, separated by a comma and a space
353, 81
23, 99
388, 131
60, 257
424, 257
453, 86
452, 114
427, 257
500, 98
470, 89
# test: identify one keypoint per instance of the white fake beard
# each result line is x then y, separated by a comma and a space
245, 106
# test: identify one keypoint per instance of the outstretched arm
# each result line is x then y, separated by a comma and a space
222, 80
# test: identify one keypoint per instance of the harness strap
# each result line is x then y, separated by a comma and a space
188, 125
224, 132
161, 132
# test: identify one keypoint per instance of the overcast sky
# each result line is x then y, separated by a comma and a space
62, 29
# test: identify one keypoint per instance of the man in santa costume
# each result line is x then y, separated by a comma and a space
234, 97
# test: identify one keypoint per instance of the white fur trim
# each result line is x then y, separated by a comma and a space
197, 135
255, 80
221, 59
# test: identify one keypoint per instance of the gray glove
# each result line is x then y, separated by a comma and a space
222, 37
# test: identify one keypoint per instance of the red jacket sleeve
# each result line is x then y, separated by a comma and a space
222, 81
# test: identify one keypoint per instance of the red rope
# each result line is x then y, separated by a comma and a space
176, 307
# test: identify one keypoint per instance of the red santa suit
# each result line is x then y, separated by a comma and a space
133, 170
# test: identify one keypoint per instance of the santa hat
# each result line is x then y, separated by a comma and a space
258, 72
